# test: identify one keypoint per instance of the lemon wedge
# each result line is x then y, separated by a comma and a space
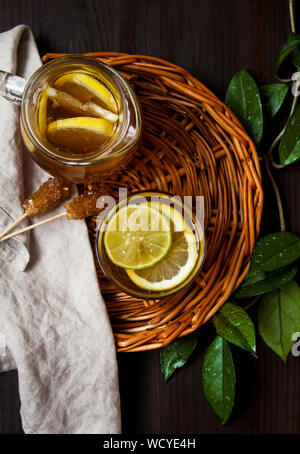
80, 134
86, 89
73, 105
137, 237
42, 112
178, 263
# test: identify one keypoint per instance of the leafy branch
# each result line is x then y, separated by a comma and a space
274, 260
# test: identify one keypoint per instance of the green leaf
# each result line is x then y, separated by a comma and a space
218, 378
243, 98
263, 282
234, 324
289, 150
176, 354
279, 318
296, 57
274, 251
272, 97
292, 43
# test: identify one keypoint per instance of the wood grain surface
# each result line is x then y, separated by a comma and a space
212, 39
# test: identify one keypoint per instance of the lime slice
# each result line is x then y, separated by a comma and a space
86, 88
80, 134
73, 105
179, 261
137, 237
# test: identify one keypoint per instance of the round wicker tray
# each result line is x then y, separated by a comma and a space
192, 145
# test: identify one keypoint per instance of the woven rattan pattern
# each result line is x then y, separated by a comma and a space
192, 145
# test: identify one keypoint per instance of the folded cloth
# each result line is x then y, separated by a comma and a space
53, 322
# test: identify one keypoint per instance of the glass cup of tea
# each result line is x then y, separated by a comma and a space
80, 119
150, 244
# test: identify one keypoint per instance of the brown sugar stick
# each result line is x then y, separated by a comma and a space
48, 196
84, 205
78, 208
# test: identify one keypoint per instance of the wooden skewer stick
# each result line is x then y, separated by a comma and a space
13, 225
53, 191
32, 226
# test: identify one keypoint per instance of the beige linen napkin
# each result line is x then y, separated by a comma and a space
53, 321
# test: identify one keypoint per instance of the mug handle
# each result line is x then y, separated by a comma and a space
12, 87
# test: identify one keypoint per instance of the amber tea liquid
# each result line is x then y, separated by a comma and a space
77, 114
80, 119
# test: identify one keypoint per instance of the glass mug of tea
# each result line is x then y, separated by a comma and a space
80, 119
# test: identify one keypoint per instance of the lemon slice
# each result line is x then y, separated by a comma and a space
42, 112
73, 105
62, 99
179, 262
80, 134
137, 237
86, 88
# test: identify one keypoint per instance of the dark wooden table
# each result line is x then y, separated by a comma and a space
212, 39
